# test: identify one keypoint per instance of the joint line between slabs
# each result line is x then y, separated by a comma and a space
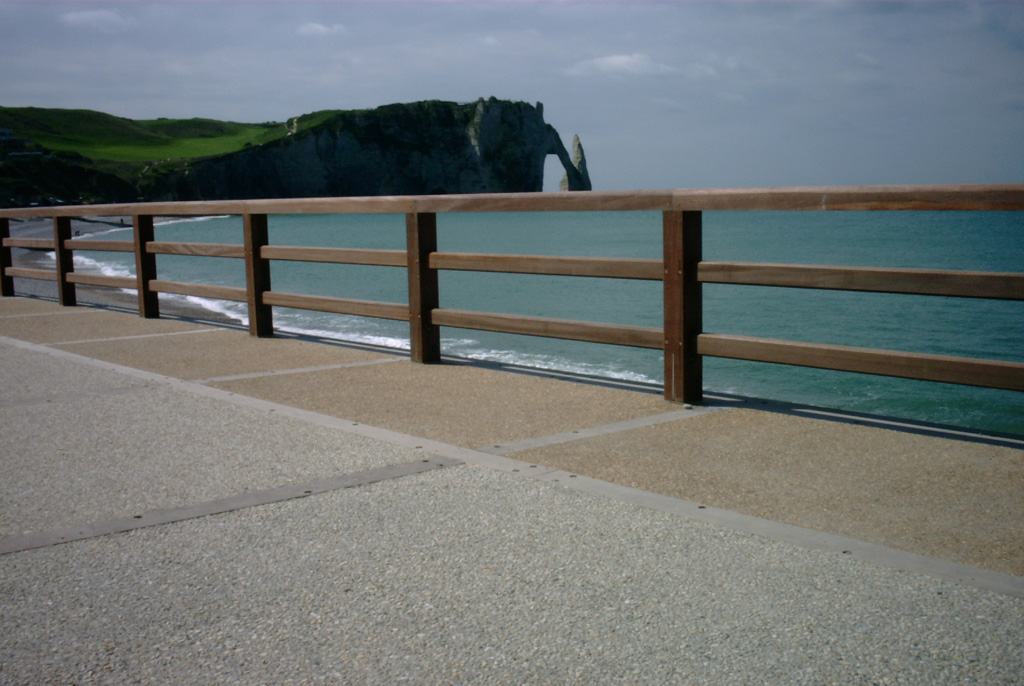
591, 432
805, 538
43, 539
298, 370
82, 310
130, 338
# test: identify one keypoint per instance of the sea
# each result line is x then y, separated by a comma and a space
973, 241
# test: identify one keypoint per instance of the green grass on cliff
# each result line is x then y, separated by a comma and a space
109, 141
104, 137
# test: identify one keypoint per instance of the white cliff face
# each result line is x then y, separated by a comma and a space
473, 130
579, 160
581, 179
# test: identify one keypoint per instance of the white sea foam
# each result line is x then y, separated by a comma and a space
184, 220
553, 362
90, 266
470, 348
227, 308
306, 325
347, 335
103, 232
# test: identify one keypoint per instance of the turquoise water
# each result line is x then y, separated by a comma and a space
992, 241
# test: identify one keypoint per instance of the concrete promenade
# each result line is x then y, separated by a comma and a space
183, 503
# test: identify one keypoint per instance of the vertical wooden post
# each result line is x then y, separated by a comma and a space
421, 240
684, 377
65, 261
6, 281
257, 275
145, 266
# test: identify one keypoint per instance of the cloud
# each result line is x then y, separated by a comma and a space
107, 21
314, 29
637, 64
701, 71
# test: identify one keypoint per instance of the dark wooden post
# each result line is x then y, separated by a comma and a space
421, 240
257, 275
145, 267
65, 261
6, 281
684, 377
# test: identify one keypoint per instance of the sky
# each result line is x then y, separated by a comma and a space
688, 94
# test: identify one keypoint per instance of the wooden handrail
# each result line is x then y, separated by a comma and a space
360, 308
29, 243
961, 284
102, 280
100, 246
681, 270
381, 258
25, 273
809, 198
593, 332
195, 249
199, 290
559, 266
943, 368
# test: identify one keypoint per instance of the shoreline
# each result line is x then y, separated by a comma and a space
110, 298
80, 226
92, 295
969, 408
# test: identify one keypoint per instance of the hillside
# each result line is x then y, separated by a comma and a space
52, 156
104, 137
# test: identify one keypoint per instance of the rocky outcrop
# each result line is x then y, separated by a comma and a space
580, 181
433, 147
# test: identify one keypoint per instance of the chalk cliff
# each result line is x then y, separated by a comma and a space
580, 181
403, 149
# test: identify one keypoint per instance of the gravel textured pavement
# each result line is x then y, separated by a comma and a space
472, 573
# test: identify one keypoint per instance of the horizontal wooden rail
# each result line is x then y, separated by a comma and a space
195, 249
943, 368
681, 270
611, 268
198, 290
809, 198
29, 243
612, 334
361, 308
102, 280
963, 284
100, 246
25, 273
382, 258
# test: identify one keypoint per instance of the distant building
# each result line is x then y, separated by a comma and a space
7, 135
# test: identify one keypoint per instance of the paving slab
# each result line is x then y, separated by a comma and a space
28, 378
83, 323
30, 306
84, 444
462, 404
959, 500
471, 573
470, 576
220, 352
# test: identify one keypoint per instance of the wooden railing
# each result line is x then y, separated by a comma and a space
682, 271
